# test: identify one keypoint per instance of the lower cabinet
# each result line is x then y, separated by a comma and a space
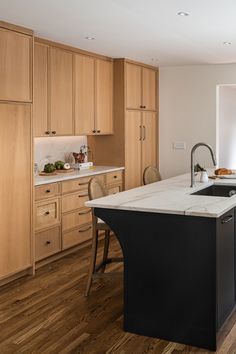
62, 221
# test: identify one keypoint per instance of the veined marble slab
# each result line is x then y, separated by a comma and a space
96, 170
170, 196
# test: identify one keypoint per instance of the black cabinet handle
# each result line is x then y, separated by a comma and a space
141, 106
93, 131
84, 212
98, 131
54, 132
144, 106
48, 191
227, 219
47, 212
114, 176
48, 242
47, 132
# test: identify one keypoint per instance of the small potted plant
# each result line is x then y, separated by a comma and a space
203, 176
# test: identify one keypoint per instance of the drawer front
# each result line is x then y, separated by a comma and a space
46, 191
113, 177
47, 243
78, 184
47, 214
74, 201
115, 189
76, 219
77, 236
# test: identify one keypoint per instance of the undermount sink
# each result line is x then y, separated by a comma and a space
217, 191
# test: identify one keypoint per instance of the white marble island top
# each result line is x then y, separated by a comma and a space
170, 196
95, 170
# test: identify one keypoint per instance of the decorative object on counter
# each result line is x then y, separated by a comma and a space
69, 158
81, 158
204, 177
36, 168
49, 168
66, 168
59, 165
198, 168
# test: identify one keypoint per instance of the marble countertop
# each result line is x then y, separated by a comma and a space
96, 170
170, 196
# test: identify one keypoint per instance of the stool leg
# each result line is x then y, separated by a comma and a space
106, 249
92, 261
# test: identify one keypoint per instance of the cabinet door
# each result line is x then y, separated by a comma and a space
84, 95
104, 97
15, 66
149, 138
40, 106
133, 135
149, 90
15, 188
133, 86
61, 101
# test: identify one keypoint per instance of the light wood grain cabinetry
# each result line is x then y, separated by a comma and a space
84, 94
104, 97
15, 66
60, 209
40, 92
15, 188
140, 87
135, 142
93, 96
61, 95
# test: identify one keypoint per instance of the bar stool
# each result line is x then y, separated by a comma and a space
151, 175
96, 190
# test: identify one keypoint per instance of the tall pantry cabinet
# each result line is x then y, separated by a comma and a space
16, 149
134, 144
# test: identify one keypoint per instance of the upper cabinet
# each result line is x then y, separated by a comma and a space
104, 97
84, 95
61, 95
15, 66
93, 96
40, 95
141, 87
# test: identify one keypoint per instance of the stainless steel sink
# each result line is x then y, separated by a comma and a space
217, 191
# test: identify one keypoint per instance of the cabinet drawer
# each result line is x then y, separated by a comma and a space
47, 243
115, 189
76, 218
78, 184
46, 191
74, 201
113, 177
46, 213
77, 236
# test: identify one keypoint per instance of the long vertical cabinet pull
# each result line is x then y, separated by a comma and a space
144, 132
141, 132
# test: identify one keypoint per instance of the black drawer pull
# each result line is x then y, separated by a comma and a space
82, 195
47, 191
82, 183
47, 132
98, 131
47, 212
54, 132
48, 242
84, 212
84, 230
114, 176
226, 219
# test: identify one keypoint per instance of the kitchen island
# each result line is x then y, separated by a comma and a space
179, 258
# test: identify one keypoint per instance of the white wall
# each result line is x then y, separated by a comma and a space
188, 112
227, 126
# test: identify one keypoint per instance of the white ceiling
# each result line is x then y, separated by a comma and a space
143, 30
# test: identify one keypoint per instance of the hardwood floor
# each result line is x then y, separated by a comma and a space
48, 313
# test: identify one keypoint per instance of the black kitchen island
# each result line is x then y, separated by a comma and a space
179, 270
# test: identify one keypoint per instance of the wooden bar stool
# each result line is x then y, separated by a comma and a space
96, 190
151, 175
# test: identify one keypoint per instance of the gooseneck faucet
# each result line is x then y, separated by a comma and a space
192, 159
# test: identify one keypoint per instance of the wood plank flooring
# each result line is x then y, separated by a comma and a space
48, 314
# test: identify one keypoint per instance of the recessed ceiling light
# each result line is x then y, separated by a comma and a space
90, 38
227, 43
182, 13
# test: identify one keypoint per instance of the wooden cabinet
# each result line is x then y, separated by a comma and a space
140, 148
15, 66
104, 97
47, 243
135, 142
141, 85
61, 96
40, 96
84, 95
15, 188
47, 213
93, 96
46, 191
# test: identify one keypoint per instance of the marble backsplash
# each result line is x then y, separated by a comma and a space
55, 148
